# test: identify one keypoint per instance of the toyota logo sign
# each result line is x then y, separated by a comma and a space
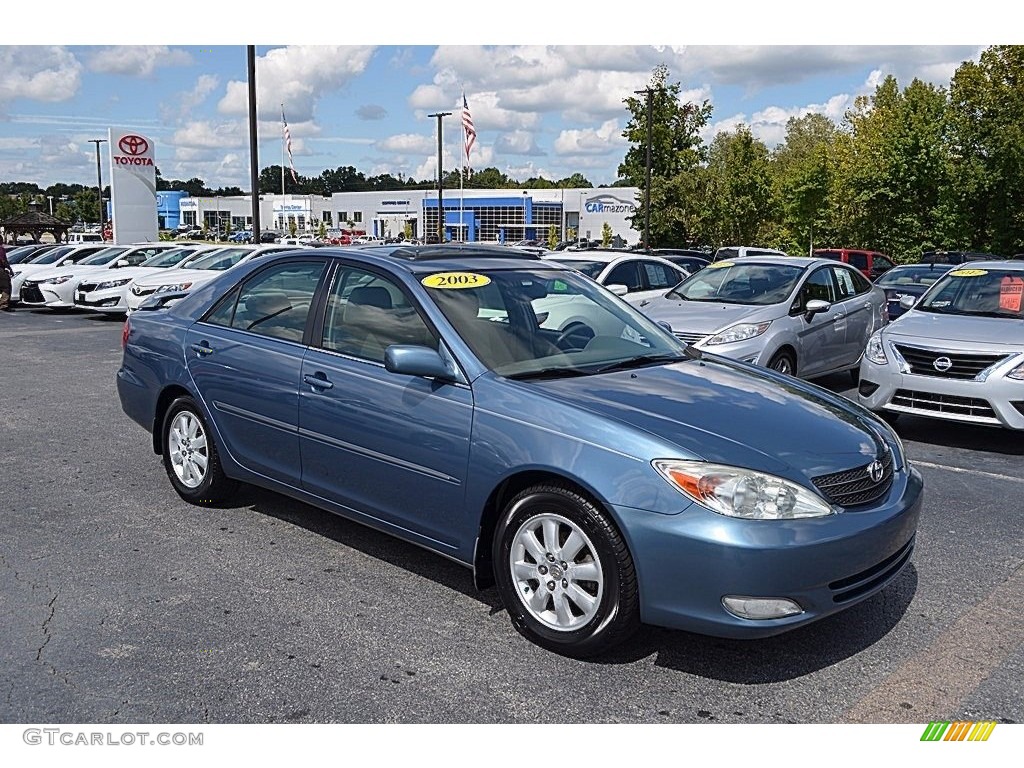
876, 471
133, 145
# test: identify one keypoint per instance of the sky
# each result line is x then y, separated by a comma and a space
544, 108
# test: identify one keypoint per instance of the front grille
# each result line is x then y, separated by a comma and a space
138, 290
30, 293
852, 587
854, 487
689, 338
954, 405
962, 365
86, 287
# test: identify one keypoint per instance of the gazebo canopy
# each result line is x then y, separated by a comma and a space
34, 222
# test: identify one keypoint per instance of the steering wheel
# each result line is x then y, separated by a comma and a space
574, 337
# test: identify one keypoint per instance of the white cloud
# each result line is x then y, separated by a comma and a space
137, 60
603, 140
41, 73
297, 76
408, 143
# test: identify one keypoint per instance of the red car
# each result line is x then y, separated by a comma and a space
872, 263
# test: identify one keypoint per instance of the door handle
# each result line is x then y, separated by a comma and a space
202, 349
317, 381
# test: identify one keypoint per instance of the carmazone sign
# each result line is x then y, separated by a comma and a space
609, 204
132, 186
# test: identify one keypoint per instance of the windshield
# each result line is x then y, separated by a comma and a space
979, 292
167, 258
589, 268
532, 323
105, 256
911, 276
740, 283
225, 258
49, 257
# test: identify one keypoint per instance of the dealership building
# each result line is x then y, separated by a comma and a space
475, 215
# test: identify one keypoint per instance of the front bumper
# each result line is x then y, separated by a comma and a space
997, 401
110, 300
687, 563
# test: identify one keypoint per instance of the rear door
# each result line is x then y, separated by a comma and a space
854, 299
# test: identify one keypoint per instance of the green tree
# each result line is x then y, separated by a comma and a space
576, 181
985, 198
552, 237
677, 150
739, 188
606, 235
802, 171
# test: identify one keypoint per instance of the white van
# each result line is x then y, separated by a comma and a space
77, 238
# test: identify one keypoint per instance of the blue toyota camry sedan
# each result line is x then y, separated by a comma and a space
601, 476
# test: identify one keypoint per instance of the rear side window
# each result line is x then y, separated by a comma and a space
659, 275
858, 260
834, 255
274, 302
850, 283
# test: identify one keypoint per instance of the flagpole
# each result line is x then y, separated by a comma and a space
462, 175
282, 154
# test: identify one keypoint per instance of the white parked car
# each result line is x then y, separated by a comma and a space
55, 288
197, 273
108, 293
635, 277
65, 255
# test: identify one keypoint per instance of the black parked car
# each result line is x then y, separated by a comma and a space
908, 280
956, 257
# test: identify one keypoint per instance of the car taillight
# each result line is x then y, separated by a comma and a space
124, 333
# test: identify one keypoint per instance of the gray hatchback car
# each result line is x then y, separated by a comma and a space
801, 316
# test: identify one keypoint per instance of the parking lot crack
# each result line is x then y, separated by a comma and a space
46, 629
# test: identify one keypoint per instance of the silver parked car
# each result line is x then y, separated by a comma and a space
958, 354
801, 316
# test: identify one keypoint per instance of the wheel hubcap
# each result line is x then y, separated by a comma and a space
186, 443
556, 571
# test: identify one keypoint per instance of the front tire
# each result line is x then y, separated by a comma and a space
783, 362
564, 572
190, 456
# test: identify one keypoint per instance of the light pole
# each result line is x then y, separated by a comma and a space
254, 173
99, 179
440, 179
647, 167
50, 198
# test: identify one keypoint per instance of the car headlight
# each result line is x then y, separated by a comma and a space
739, 492
740, 332
113, 283
874, 351
174, 288
1017, 373
59, 280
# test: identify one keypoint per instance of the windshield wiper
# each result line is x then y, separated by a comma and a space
642, 360
547, 373
1008, 315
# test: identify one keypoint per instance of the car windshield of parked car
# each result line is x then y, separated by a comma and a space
222, 259
167, 258
978, 292
742, 282
589, 268
49, 257
105, 256
506, 318
908, 276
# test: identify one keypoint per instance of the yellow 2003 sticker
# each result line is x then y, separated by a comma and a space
720, 264
455, 280
968, 272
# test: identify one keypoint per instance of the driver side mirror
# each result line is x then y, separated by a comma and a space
814, 306
417, 360
618, 290
907, 301
121, 263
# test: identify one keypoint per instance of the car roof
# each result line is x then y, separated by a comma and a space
793, 261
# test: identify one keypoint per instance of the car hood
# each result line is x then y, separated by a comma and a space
174, 276
704, 317
932, 327
132, 273
727, 412
77, 271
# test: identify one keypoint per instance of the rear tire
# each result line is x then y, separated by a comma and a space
190, 456
564, 572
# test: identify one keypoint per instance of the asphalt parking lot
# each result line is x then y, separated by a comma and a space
121, 603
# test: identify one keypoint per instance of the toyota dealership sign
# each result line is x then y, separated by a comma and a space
132, 187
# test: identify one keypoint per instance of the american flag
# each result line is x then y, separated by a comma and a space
288, 146
467, 128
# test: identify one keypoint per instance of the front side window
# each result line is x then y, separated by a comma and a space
274, 302
367, 313
627, 274
819, 287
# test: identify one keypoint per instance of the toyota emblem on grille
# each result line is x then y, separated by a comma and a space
876, 471
133, 145
942, 364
